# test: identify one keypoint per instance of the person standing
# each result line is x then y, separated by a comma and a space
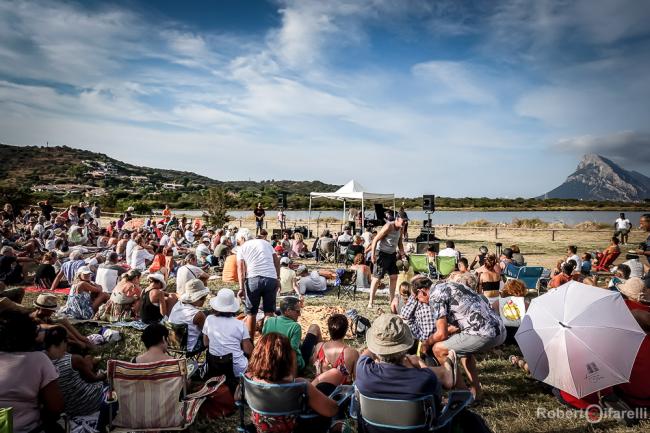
259, 218
405, 227
258, 270
645, 225
384, 250
282, 219
622, 227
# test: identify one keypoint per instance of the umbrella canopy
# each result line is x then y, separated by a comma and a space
580, 339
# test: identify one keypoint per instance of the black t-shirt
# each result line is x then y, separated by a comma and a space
47, 210
259, 213
5, 264
45, 271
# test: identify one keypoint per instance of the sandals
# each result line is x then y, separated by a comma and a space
452, 359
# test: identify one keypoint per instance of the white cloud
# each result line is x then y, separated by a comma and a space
631, 148
453, 81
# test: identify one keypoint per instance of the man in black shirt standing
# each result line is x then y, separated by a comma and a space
46, 208
259, 218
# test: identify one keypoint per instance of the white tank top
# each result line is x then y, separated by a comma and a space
389, 243
184, 314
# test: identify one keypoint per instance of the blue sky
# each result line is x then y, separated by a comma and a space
454, 98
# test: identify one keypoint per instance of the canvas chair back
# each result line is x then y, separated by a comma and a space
149, 394
419, 263
275, 399
530, 275
606, 262
413, 414
445, 265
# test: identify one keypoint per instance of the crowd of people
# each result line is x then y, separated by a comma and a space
123, 272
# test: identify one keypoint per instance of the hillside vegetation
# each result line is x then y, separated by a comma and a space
30, 173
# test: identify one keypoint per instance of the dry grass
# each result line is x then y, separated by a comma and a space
511, 401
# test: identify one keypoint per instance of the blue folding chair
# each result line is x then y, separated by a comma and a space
288, 399
530, 275
406, 415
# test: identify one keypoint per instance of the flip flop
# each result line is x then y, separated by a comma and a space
452, 358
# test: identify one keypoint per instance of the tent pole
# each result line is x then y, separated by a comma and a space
309, 219
343, 215
363, 215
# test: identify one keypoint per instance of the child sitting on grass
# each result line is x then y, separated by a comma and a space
401, 297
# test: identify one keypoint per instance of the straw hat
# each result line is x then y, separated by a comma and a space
194, 290
130, 209
285, 261
388, 335
157, 276
225, 302
635, 289
46, 301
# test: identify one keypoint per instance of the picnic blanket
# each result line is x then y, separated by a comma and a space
36, 289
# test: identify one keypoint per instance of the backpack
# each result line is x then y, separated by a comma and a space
360, 324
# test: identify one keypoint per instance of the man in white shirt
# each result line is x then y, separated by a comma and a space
288, 280
450, 251
164, 239
129, 248
622, 227
282, 219
203, 249
189, 234
346, 237
367, 237
258, 269
572, 254
189, 271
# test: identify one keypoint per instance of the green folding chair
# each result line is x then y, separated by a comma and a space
445, 265
419, 263
6, 420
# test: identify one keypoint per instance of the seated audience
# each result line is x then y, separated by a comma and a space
81, 387
401, 297
224, 335
154, 338
85, 296
124, 303
417, 311
69, 269
229, 274
287, 325
480, 258
450, 250
109, 272
222, 250
463, 265
187, 312
190, 270
45, 307
572, 254
563, 277
28, 379
585, 268
274, 362
505, 259
517, 257
311, 281
288, 279
159, 262
335, 354
489, 280
45, 272
298, 247
386, 371
11, 269
156, 304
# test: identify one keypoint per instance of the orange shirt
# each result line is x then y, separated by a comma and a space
229, 274
158, 262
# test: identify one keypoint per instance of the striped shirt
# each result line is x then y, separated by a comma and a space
80, 397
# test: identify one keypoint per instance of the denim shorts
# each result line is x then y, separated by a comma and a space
262, 289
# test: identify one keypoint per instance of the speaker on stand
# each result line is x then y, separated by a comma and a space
282, 200
428, 233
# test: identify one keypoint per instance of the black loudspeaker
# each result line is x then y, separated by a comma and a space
429, 203
282, 200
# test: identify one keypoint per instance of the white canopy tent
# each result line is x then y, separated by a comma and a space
351, 191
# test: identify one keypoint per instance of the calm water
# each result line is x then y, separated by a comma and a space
461, 217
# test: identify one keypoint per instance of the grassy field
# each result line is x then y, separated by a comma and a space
512, 403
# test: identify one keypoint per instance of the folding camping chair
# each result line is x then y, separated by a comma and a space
418, 414
605, 262
160, 387
281, 399
419, 263
530, 275
445, 265
327, 251
177, 342
342, 251
346, 282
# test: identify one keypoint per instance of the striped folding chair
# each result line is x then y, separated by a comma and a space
153, 396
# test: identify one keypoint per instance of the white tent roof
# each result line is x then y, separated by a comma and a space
352, 190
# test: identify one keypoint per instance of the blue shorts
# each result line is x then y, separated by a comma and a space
259, 224
262, 289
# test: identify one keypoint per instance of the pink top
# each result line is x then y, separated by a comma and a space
22, 376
